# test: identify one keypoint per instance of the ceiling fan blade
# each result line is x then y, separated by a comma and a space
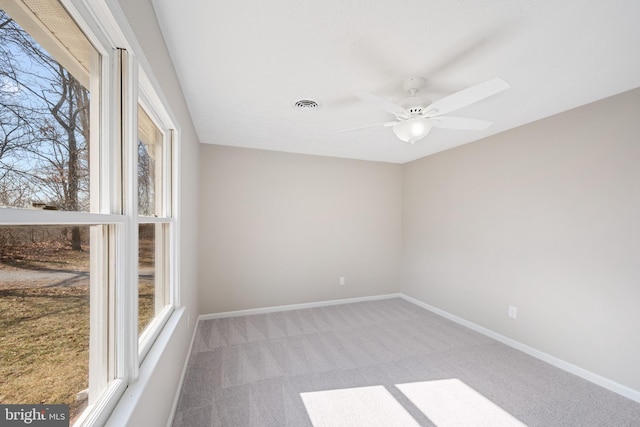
466, 97
384, 104
459, 123
386, 124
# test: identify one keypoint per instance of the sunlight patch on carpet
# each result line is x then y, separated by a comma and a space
354, 407
451, 402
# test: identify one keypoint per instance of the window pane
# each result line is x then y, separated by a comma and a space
153, 288
146, 275
44, 115
44, 327
149, 166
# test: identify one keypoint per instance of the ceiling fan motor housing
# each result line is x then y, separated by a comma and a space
415, 104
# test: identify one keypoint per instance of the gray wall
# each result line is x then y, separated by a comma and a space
545, 217
280, 228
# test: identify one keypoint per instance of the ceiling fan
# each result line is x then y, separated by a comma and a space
417, 115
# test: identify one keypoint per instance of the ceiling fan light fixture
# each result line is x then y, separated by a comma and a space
412, 130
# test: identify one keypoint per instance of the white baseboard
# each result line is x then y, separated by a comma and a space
552, 360
295, 306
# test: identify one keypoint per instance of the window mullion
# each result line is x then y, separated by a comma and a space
127, 295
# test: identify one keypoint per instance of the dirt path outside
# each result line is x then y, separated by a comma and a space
22, 278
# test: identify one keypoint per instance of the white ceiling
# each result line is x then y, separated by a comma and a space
243, 63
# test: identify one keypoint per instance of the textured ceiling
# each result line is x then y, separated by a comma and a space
242, 64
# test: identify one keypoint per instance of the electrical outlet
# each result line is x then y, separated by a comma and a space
513, 312
343, 280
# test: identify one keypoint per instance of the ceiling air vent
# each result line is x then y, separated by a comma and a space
306, 104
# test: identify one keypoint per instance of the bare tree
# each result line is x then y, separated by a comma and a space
44, 127
146, 184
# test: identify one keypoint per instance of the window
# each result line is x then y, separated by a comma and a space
86, 189
44, 327
45, 123
154, 223
46, 280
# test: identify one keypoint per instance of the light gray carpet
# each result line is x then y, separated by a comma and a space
250, 370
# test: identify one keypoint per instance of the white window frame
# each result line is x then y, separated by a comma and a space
107, 372
115, 350
151, 104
